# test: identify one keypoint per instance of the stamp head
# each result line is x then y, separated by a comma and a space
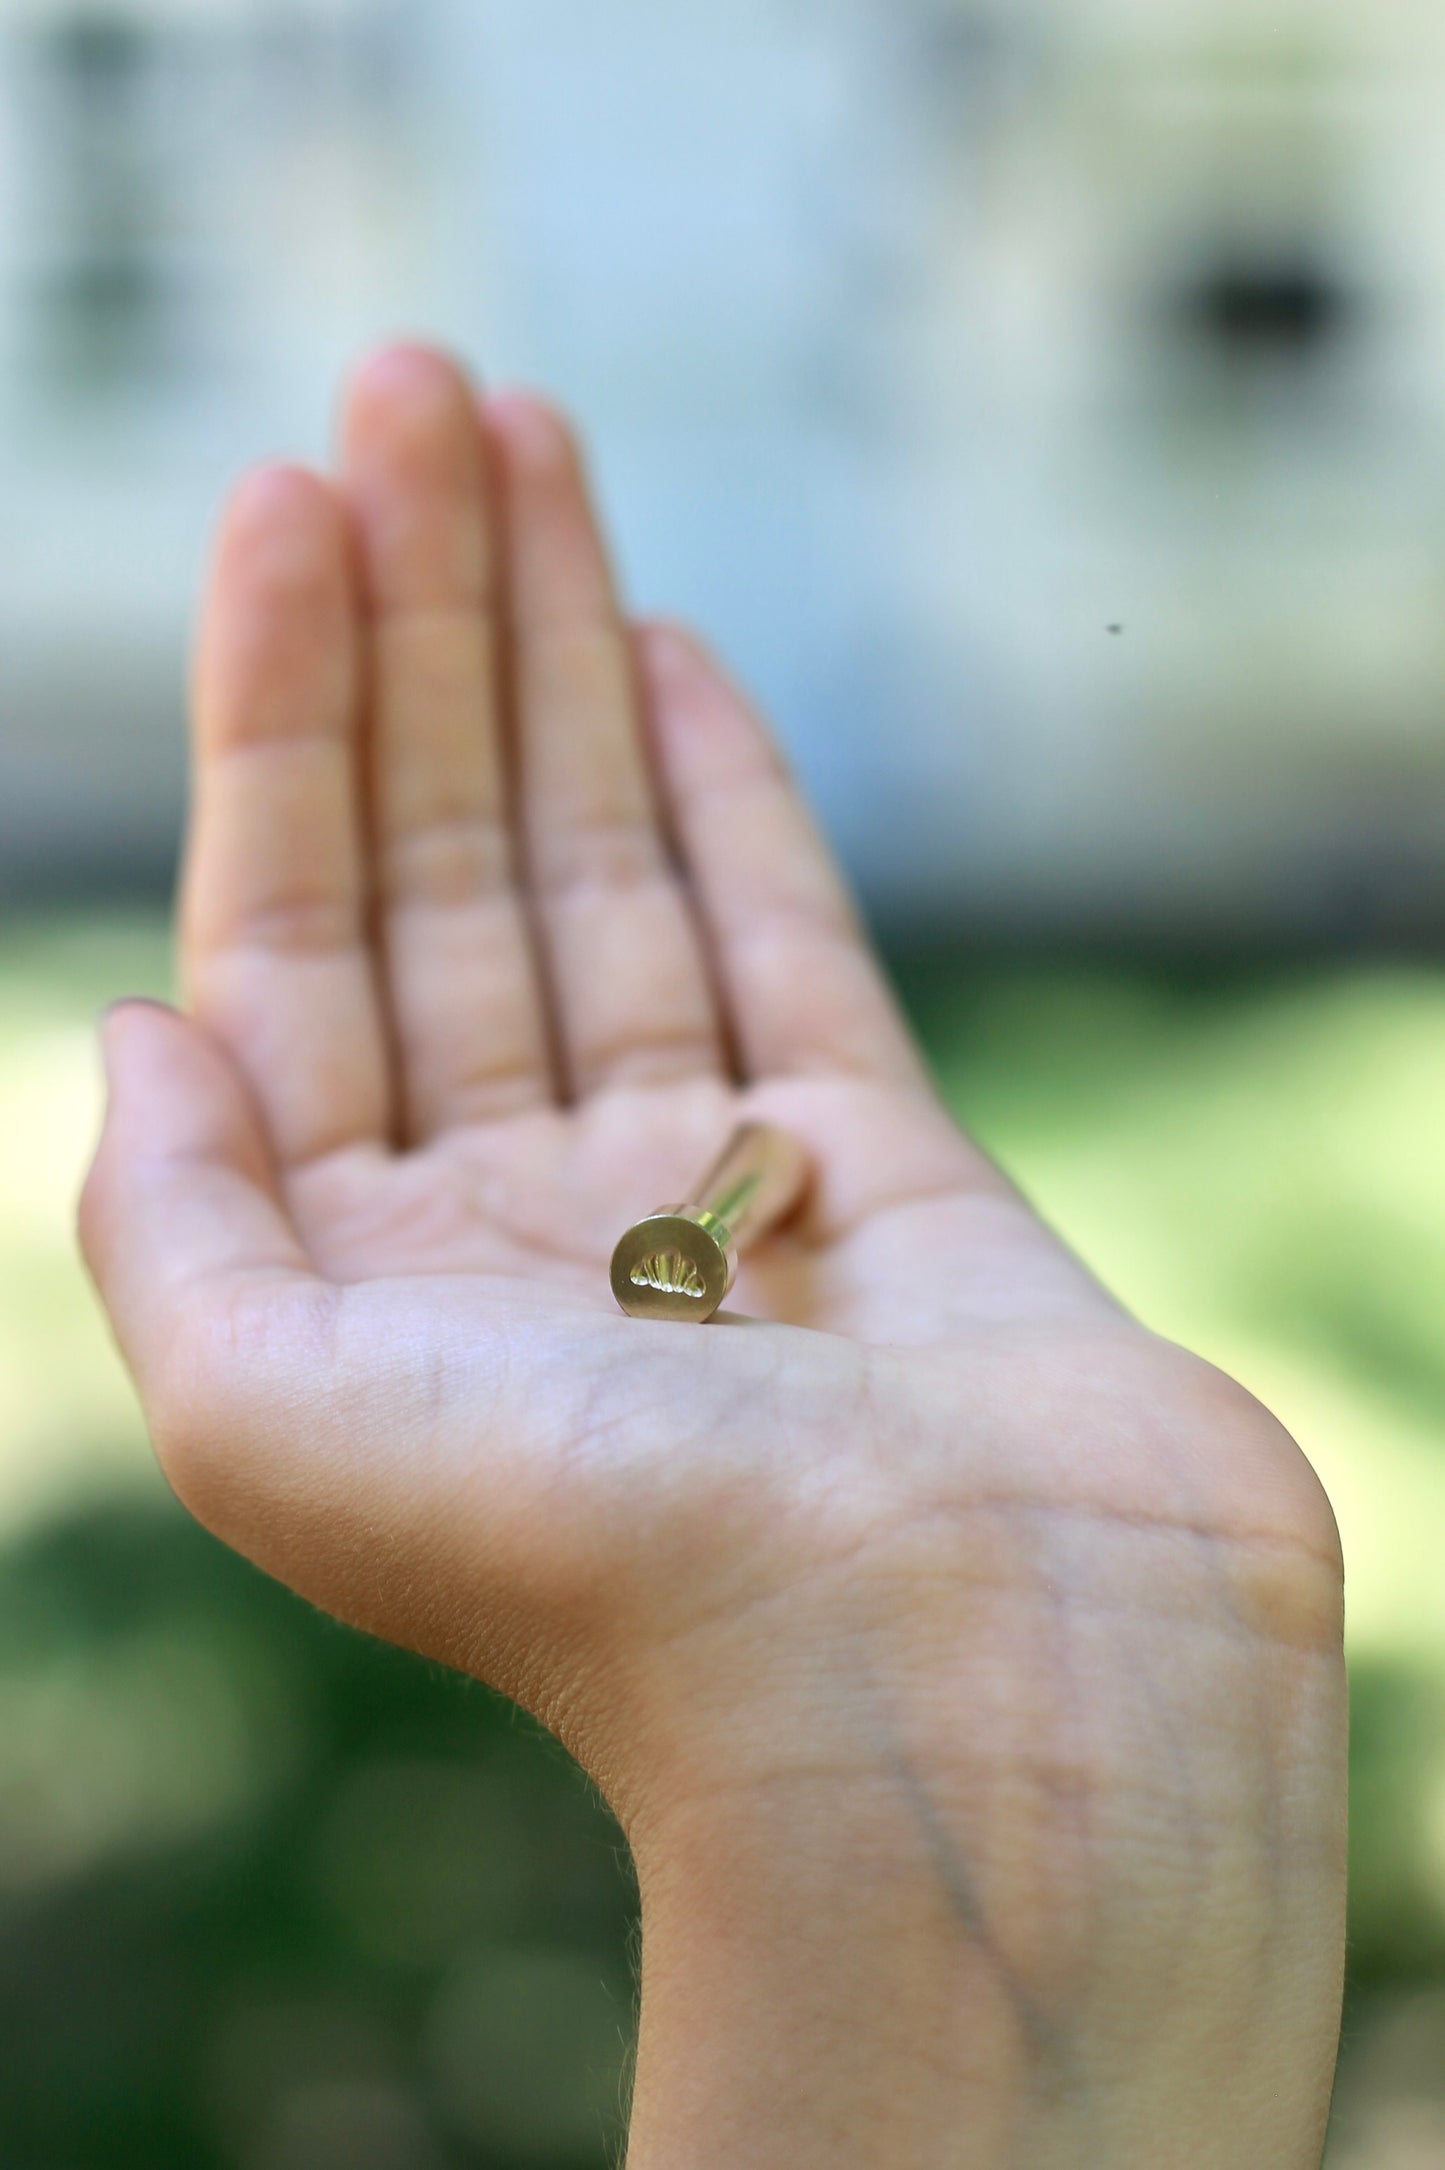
677, 1264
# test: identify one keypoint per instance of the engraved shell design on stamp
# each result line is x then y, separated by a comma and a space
671, 1273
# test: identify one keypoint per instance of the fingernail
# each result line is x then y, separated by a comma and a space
674, 647
531, 428
274, 496
406, 363
134, 1002
113, 1012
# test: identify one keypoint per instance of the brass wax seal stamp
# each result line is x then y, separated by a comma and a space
681, 1261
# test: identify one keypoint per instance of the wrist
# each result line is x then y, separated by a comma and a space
806, 1994
820, 1987
1015, 1836
938, 1912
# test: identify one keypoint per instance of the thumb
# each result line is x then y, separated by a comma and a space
337, 1437
180, 1211
181, 1191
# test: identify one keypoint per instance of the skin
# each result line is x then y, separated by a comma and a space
962, 1661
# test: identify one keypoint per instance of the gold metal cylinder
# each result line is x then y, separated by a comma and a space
681, 1262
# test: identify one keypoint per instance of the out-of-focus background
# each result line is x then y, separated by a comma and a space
1044, 404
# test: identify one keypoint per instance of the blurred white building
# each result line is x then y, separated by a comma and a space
924, 343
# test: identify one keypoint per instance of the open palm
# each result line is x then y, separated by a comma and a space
501, 906
498, 912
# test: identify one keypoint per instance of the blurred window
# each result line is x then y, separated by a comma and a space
106, 299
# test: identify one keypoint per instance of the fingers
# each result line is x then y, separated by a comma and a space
464, 996
180, 1206
275, 949
804, 990
625, 963
472, 539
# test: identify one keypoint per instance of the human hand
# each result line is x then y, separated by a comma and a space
962, 1661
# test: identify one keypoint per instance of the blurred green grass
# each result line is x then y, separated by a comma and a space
270, 1895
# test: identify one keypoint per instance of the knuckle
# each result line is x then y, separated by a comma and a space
610, 853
